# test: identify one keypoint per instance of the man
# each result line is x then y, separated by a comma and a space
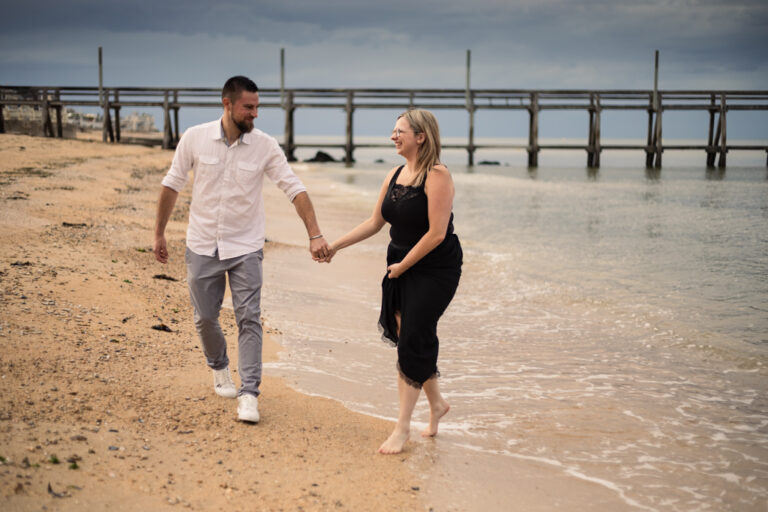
225, 235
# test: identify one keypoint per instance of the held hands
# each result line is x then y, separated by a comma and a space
331, 253
321, 251
328, 257
325, 251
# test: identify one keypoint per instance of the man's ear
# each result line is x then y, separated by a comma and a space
226, 102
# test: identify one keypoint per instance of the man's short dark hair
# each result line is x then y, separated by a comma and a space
236, 85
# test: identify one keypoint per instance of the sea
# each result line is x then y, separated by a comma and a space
607, 348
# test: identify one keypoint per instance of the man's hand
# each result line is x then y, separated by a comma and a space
320, 249
160, 249
164, 208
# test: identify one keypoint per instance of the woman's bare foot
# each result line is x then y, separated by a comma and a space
395, 442
434, 419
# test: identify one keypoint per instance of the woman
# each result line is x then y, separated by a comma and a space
423, 265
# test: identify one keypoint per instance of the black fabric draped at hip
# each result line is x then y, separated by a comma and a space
422, 293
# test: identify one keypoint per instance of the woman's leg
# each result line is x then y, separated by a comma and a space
409, 395
438, 407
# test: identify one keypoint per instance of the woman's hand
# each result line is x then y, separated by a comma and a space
331, 253
395, 270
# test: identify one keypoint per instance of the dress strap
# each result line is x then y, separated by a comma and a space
397, 173
394, 179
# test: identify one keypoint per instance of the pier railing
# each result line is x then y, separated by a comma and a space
51, 101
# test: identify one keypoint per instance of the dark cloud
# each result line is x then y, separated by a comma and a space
357, 43
547, 23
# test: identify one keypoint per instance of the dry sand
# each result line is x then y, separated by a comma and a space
98, 410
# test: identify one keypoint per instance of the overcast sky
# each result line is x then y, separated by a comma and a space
600, 44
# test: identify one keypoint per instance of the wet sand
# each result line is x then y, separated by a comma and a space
98, 408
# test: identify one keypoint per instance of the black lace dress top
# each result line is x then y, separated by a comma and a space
422, 293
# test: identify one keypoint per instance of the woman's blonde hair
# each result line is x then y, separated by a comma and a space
423, 121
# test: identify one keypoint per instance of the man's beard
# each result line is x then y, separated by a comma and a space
245, 126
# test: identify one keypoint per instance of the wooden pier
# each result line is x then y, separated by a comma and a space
52, 101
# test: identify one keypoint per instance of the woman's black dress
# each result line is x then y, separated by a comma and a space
421, 293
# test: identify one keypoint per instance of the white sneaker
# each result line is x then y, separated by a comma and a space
222, 383
248, 408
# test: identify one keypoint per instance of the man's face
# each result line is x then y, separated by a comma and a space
244, 110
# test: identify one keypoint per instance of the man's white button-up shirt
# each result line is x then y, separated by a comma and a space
227, 210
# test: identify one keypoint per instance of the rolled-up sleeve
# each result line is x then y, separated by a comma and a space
183, 160
280, 172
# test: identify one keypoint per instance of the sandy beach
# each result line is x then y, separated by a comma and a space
106, 401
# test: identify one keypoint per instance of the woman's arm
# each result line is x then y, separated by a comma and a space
439, 190
368, 227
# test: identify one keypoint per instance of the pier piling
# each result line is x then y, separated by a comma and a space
349, 145
711, 133
116, 107
288, 142
167, 130
533, 131
723, 145
593, 144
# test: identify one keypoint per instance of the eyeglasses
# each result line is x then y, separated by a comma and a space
397, 132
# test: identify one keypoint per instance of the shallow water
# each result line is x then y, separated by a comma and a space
611, 326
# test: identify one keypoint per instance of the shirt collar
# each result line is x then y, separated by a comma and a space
220, 135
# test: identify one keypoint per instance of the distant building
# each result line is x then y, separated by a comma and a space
138, 122
22, 117
28, 119
22, 112
83, 120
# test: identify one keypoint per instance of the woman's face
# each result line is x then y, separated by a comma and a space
406, 141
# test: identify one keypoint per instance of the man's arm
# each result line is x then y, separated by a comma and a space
165, 206
318, 246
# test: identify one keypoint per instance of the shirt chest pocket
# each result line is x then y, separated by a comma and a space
208, 165
247, 167
247, 175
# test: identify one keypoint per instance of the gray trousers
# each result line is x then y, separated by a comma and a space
206, 276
